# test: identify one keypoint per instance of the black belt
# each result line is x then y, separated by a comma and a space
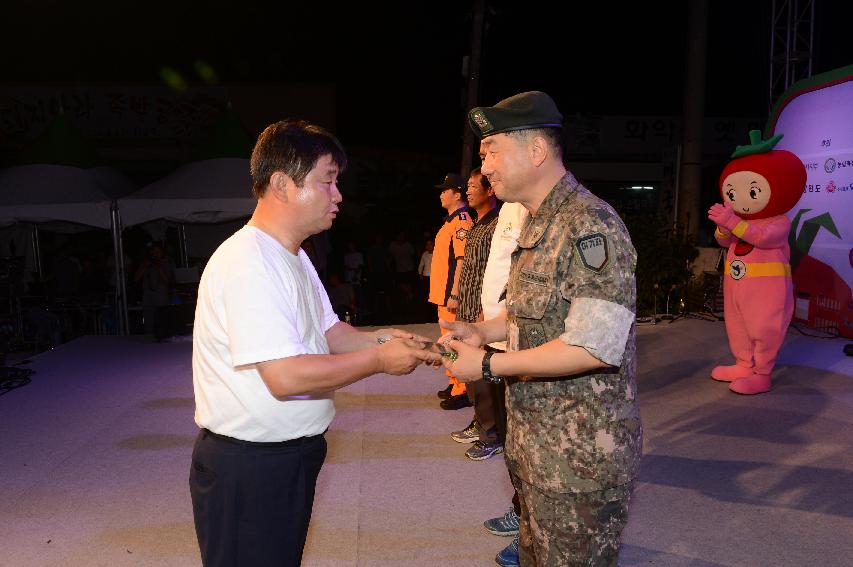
289, 443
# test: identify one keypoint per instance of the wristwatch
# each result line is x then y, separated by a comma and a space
487, 369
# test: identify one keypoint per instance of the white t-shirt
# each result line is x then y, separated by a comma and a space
425, 267
504, 242
257, 302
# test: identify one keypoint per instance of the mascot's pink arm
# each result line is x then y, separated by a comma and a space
772, 234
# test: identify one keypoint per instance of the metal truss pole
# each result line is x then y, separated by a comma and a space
791, 45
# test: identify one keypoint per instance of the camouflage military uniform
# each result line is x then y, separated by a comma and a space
574, 443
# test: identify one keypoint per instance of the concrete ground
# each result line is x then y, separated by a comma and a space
94, 458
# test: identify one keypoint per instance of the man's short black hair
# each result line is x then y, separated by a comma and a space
554, 137
292, 147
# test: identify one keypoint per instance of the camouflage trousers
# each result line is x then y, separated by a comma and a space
571, 530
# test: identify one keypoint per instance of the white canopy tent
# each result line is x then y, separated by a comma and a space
45, 193
208, 191
203, 192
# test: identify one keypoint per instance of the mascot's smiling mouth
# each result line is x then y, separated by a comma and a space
745, 209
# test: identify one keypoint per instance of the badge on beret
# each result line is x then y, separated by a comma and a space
461, 234
593, 251
481, 121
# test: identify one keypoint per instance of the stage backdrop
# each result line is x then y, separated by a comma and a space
816, 117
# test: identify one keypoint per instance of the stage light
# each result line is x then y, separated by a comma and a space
206, 72
173, 78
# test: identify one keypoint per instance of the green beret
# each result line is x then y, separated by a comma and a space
533, 109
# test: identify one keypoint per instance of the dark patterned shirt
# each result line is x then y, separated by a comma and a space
473, 266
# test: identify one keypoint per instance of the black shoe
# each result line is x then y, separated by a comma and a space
444, 394
456, 402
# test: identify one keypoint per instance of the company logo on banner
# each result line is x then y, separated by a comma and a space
816, 127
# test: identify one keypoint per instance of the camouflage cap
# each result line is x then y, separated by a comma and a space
453, 181
533, 109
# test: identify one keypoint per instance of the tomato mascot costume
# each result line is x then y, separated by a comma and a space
758, 187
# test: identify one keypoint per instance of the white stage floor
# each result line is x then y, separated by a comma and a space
94, 459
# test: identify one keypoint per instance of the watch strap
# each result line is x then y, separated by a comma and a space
488, 376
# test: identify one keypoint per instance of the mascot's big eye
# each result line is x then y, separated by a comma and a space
731, 195
754, 193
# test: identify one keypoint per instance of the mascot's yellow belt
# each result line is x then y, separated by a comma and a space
738, 269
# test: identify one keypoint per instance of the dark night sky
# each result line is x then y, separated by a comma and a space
397, 66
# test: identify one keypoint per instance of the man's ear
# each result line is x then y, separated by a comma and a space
538, 150
280, 183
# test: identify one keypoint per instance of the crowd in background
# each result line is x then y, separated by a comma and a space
381, 278
376, 278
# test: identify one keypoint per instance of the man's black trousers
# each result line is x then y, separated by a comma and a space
252, 501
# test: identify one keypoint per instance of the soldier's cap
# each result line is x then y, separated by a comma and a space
453, 181
524, 111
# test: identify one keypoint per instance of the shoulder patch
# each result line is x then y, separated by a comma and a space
461, 234
593, 251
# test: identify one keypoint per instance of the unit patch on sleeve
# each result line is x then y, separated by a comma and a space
461, 234
593, 251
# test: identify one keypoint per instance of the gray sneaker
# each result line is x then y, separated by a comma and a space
467, 435
480, 451
505, 525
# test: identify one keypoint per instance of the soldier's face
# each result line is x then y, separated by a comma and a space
505, 161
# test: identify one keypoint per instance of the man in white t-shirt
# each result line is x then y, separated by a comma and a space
268, 353
511, 218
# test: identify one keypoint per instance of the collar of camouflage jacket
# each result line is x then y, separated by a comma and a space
537, 224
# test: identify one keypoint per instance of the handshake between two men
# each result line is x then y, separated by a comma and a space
459, 350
